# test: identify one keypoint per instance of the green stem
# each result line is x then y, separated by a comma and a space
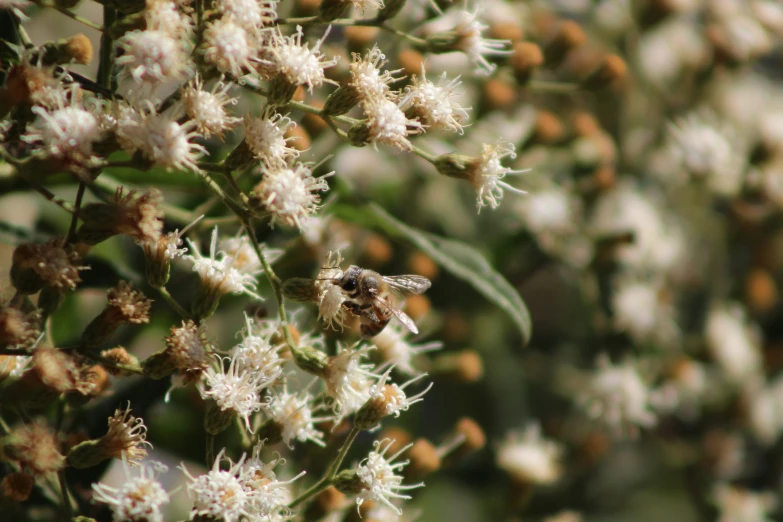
331, 472
66, 497
164, 293
106, 65
77, 205
552, 87
424, 154
78, 18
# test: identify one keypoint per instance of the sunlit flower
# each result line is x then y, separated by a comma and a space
152, 56
293, 416
229, 47
290, 194
379, 479
431, 103
734, 342
139, 499
217, 272
207, 108
220, 494
297, 62
396, 351
529, 457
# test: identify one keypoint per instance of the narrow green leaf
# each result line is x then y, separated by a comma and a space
459, 259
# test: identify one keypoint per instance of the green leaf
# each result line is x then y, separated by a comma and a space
457, 258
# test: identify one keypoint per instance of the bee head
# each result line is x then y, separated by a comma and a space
350, 278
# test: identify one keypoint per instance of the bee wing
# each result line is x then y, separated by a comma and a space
404, 318
404, 285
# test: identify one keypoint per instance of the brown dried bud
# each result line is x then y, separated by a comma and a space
120, 357
125, 305
548, 129
611, 71
526, 57
465, 366
418, 306
36, 265
411, 61
216, 419
569, 36
52, 372
34, 447
18, 330
359, 38
298, 137
138, 217
91, 382
188, 347
76, 49
16, 486
398, 437
424, 460
470, 435
378, 407
127, 435
376, 250
761, 290
326, 502
314, 123
497, 94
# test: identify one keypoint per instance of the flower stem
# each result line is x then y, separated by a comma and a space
164, 293
75, 217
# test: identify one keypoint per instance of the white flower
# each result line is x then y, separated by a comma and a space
487, 174
138, 499
765, 414
330, 296
707, 149
396, 351
733, 342
366, 77
619, 397
67, 132
236, 388
165, 16
257, 355
291, 194
250, 14
207, 108
657, 244
741, 505
152, 56
244, 255
430, 103
229, 47
550, 211
387, 124
299, 64
217, 271
639, 309
269, 496
393, 397
379, 479
294, 417
127, 122
266, 138
474, 46
347, 380
218, 494
529, 457
684, 391
168, 142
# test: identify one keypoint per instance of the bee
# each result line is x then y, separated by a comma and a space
372, 297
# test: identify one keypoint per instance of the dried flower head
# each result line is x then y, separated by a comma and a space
126, 438
188, 348
135, 215
34, 447
18, 330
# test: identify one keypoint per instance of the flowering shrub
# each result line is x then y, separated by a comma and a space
258, 249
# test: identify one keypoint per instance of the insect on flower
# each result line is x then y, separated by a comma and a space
371, 297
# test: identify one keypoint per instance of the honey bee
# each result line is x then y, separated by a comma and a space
371, 297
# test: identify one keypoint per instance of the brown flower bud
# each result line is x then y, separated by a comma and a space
548, 129
281, 91
465, 366
761, 290
36, 265
610, 72
376, 250
497, 94
473, 438
120, 357
125, 305
510, 30
341, 101
300, 140
18, 329
127, 435
360, 37
410, 61
568, 37
136, 216
326, 502
188, 347
91, 382
525, 58
16, 486
314, 123
424, 460
34, 447
76, 49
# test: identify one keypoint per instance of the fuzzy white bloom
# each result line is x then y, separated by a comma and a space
269, 495
250, 14
168, 142
266, 138
347, 380
550, 211
245, 258
765, 414
469, 41
741, 505
529, 457
67, 132
139, 499
236, 388
127, 123
366, 77
640, 310
396, 351
387, 124
734, 342
378, 475
431, 103
657, 244
297, 62
293, 416
220, 494
218, 272
208, 108
707, 149
165, 16
619, 397
257, 355
487, 173
152, 56
291, 194
393, 396
229, 47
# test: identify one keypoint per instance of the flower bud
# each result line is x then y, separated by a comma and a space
375, 409
300, 289
76, 49
341, 101
125, 305
33, 447
611, 71
120, 357
465, 366
217, 420
157, 267
53, 372
326, 502
136, 216
127, 435
16, 487
454, 165
349, 482
91, 382
18, 330
443, 42
281, 91
240, 156
466, 438
359, 135
35, 265
51, 299
159, 365
526, 57
569, 36
424, 460
312, 361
